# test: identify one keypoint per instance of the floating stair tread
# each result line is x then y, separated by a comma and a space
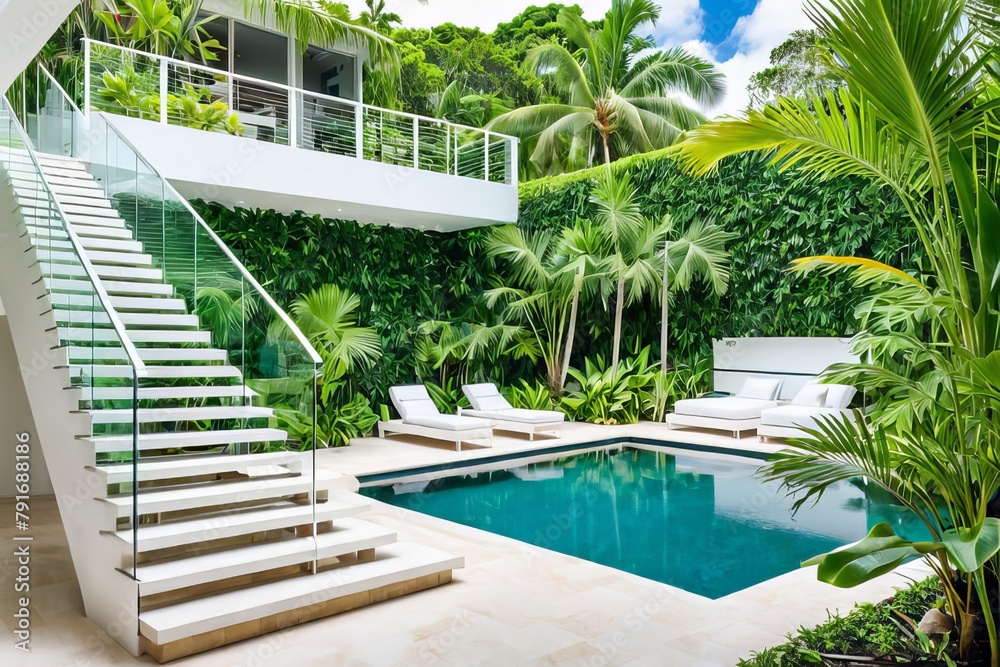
119, 258
131, 320
348, 535
182, 439
124, 370
197, 466
123, 288
231, 524
152, 415
97, 231
215, 494
147, 354
393, 564
163, 393
135, 335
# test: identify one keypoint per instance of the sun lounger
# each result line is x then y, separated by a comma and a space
809, 406
488, 403
728, 413
420, 417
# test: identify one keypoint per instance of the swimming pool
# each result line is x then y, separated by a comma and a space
702, 523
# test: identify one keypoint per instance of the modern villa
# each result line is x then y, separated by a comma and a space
212, 459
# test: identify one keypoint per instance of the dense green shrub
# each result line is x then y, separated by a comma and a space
408, 276
867, 630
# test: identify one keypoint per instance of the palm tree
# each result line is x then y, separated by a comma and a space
311, 23
615, 101
544, 283
327, 316
919, 115
697, 254
376, 18
632, 244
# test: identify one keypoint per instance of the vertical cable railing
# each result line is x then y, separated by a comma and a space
140, 85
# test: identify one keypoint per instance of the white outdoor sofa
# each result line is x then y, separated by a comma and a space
420, 417
811, 404
735, 414
488, 403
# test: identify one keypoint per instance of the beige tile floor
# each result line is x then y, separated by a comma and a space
513, 604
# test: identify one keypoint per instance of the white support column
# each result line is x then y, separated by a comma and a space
416, 143
293, 118
359, 131
486, 157
163, 91
86, 77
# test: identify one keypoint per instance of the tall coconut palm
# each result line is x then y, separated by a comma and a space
543, 283
919, 115
377, 18
615, 101
694, 255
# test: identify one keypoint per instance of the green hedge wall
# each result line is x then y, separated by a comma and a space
406, 276
778, 218
403, 276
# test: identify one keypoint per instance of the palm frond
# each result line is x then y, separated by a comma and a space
675, 71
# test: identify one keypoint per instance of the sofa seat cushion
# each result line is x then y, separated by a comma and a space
727, 407
519, 415
448, 422
797, 416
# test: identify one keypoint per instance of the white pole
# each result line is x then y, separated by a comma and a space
416, 143
359, 131
163, 91
486, 157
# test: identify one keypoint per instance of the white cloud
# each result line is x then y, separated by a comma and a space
680, 20
756, 34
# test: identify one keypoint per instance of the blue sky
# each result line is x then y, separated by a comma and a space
737, 35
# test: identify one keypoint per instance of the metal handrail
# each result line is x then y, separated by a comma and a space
290, 89
59, 87
295, 116
116, 323
313, 354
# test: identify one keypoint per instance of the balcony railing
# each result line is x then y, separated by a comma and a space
137, 84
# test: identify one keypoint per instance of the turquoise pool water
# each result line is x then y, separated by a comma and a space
704, 524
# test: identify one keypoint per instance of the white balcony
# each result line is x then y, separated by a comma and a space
273, 146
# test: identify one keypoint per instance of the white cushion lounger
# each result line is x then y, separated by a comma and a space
488, 403
421, 417
729, 413
812, 403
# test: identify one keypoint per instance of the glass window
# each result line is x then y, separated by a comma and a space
329, 73
218, 30
260, 54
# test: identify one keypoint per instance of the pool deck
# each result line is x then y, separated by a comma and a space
513, 604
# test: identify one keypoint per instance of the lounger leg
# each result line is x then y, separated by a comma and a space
381, 430
531, 437
458, 445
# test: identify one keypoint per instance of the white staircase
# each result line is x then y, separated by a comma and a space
235, 537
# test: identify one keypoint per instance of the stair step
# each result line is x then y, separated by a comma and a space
113, 287
80, 188
88, 334
245, 522
196, 466
216, 494
153, 415
62, 161
53, 242
59, 171
102, 271
159, 320
119, 303
126, 288
163, 393
147, 354
105, 444
119, 258
395, 564
97, 208
348, 536
99, 231
125, 371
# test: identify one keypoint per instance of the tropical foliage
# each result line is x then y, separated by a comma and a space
918, 115
611, 99
800, 66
